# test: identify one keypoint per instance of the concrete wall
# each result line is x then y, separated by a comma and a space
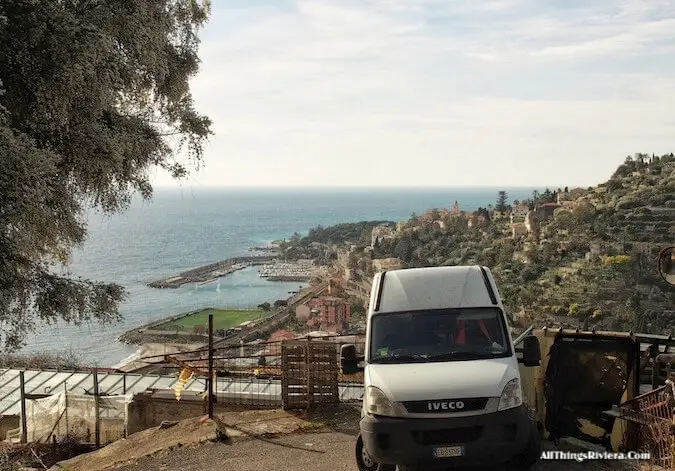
147, 410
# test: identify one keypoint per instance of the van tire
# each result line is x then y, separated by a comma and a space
365, 463
531, 454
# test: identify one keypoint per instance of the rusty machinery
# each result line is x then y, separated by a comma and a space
589, 387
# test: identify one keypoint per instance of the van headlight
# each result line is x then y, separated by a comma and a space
512, 396
377, 403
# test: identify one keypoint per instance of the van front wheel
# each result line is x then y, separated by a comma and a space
531, 454
365, 462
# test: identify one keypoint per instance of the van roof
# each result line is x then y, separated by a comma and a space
436, 288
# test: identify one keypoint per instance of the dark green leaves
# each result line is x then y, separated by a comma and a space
93, 90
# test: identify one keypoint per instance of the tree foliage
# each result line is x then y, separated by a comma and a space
94, 94
344, 233
502, 198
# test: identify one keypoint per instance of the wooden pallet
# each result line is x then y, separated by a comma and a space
309, 374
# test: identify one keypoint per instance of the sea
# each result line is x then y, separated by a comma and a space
183, 228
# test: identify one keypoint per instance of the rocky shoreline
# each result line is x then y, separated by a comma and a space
135, 337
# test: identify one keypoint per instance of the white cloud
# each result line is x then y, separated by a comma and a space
388, 92
637, 38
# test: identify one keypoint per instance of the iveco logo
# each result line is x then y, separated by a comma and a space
445, 405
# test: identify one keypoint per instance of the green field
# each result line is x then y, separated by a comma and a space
222, 319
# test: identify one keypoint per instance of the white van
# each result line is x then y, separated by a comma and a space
441, 376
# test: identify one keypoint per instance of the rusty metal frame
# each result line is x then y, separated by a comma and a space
652, 413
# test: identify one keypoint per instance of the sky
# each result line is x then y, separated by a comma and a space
441, 93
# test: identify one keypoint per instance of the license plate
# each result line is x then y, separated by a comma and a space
448, 451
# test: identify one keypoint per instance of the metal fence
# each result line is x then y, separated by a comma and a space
290, 374
274, 374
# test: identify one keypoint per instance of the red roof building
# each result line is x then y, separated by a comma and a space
333, 311
283, 334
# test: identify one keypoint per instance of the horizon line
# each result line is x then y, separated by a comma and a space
364, 187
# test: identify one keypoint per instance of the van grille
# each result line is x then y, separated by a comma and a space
448, 436
440, 406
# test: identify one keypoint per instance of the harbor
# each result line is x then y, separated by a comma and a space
271, 269
302, 270
220, 273
210, 273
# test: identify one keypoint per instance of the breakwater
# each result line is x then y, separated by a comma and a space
211, 272
271, 250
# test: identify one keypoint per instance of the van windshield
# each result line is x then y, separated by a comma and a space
438, 335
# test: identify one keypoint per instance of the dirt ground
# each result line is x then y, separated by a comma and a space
323, 451
259, 440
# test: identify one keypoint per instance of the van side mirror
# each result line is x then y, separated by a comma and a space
349, 362
531, 351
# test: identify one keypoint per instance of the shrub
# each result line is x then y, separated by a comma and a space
67, 360
617, 259
559, 310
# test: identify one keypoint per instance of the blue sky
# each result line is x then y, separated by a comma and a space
433, 92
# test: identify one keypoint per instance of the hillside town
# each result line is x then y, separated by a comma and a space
581, 256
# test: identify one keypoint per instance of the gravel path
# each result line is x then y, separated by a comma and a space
328, 451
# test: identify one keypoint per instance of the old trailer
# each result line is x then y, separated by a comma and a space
603, 388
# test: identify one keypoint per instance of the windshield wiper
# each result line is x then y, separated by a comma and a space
460, 354
401, 357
